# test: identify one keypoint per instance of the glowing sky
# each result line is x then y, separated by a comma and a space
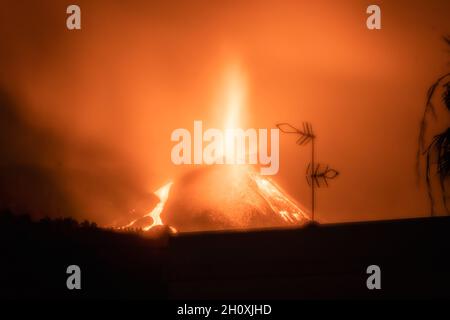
87, 115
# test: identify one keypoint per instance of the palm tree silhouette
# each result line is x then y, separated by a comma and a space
437, 149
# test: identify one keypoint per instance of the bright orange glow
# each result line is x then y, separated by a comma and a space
272, 194
163, 195
235, 91
235, 95
278, 200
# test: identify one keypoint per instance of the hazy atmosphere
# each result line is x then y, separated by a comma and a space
86, 116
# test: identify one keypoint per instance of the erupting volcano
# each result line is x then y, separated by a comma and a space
223, 196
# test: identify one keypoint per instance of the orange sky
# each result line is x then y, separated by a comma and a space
89, 113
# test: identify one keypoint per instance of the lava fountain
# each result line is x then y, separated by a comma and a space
224, 197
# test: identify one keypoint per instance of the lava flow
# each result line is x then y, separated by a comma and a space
163, 194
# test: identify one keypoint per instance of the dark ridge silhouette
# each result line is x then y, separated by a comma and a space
316, 261
35, 256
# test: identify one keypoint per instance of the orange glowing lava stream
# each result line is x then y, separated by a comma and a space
278, 200
163, 194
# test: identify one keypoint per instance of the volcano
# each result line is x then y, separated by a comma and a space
222, 197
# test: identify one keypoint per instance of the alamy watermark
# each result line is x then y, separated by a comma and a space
229, 146
73, 21
74, 279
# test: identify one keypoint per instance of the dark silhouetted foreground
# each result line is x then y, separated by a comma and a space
311, 262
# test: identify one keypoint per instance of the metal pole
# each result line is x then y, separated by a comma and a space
312, 180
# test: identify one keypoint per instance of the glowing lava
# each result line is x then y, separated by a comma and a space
163, 194
224, 197
236, 197
278, 200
